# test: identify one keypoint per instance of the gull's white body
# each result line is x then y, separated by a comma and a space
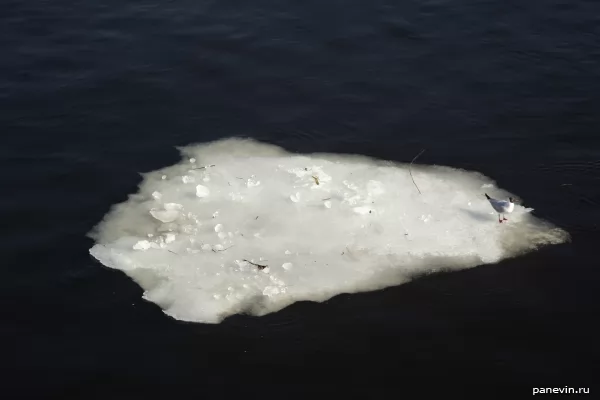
502, 206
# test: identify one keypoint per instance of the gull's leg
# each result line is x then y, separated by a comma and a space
504, 217
499, 220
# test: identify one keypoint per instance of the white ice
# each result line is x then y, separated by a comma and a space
268, 228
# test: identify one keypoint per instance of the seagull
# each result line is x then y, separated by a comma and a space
501, 206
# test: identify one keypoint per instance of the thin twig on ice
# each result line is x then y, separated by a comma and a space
410, 171
256, 265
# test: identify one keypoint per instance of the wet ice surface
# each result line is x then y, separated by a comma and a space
244, 227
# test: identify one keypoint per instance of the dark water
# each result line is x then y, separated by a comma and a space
93, 93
